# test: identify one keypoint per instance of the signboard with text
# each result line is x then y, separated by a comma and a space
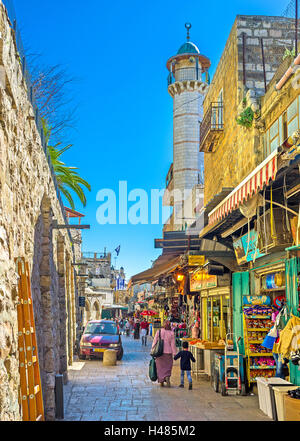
196, 260
201, 280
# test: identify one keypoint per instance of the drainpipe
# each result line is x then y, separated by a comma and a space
288, 73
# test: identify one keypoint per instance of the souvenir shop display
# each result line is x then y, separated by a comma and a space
259, 315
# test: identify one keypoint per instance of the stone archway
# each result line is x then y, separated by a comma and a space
96, 311
87, 312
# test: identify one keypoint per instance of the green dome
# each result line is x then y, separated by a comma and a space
188, 48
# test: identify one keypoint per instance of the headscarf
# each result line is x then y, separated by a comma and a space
167, 325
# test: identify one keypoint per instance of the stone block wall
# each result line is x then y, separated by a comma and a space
28, 206
240, 149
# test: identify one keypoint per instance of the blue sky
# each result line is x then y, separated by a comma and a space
118, 51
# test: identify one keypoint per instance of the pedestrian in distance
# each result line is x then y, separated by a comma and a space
185, 364
144, 331
164, 363
127, 328
137, 326
121, 326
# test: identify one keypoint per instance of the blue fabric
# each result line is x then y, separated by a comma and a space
279, 367
269, 342
188, 374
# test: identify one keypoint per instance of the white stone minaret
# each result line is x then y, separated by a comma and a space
187, 85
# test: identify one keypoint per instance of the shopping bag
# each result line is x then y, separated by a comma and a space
158, 349
152, 370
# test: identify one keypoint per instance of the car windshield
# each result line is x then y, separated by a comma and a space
101, 328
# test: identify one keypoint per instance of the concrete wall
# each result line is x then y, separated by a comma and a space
28, 207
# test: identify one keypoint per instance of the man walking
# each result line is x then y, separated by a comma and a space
144, 331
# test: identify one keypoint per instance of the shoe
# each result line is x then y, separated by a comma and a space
181, 385
190, 386
161, 384
168, 382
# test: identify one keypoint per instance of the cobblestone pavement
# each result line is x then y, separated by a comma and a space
125, 393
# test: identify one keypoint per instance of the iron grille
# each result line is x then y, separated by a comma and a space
212, 121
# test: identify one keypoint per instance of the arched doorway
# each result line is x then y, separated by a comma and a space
96, 311
87, 312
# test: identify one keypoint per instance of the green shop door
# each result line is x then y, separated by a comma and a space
240, 288
292, 269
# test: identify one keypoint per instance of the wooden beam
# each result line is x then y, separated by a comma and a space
234, 228
293, 191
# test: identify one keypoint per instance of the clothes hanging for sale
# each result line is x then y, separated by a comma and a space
289, 340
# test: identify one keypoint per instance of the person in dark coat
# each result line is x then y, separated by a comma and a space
136, 328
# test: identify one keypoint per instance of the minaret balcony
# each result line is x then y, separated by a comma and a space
188, 74
212, 127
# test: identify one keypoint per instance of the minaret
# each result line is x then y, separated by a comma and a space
187, 85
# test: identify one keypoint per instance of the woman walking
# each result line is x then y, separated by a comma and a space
164, 363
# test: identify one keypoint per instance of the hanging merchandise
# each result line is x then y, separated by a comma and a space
289, 340
179, 301
279, 301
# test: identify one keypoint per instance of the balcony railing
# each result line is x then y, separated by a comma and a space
211, 126
188, 74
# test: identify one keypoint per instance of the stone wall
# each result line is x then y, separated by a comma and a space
28, 207
240, 149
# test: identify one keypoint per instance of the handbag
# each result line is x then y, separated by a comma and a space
152, 370
158, 349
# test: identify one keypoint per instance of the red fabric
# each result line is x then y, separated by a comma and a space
144, 325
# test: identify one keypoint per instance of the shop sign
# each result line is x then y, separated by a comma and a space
201, 280
151, 302
245, 248
196, 260
224, 280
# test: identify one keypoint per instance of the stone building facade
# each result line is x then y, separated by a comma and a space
29, 206
99, 290
239, 83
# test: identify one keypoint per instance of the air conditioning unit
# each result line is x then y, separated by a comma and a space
278, 235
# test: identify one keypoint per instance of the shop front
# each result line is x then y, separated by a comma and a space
214, 293
216, 313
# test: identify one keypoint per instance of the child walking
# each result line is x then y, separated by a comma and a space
185, 363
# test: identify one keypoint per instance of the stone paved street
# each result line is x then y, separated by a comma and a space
125, 393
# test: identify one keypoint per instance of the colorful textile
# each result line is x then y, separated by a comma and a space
289, 340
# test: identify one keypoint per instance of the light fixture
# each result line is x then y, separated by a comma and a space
179, 277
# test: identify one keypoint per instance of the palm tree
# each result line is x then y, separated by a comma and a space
67, 177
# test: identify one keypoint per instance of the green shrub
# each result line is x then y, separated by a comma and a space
245, 119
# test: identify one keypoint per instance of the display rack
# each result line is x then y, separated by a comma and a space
253, 337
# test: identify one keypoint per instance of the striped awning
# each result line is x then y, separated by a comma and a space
251, 185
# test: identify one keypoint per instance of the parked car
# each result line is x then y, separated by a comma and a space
98, 336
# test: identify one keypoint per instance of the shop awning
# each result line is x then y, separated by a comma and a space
251, 185
153, 273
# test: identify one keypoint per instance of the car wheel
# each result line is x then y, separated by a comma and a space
120, 355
